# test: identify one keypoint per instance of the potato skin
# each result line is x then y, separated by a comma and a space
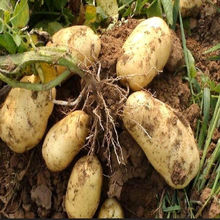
83, 43
111, 209
84, 188
165, 137
190, 7
146, 52
64, 140
24, 116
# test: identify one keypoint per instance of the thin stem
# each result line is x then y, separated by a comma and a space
189, 204
126, 4
210, 162
213, 192
186, 55
35, 86
13, 64
211, 129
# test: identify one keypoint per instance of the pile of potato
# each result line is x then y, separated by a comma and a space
167, 141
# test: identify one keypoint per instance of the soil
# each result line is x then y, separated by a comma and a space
29, 190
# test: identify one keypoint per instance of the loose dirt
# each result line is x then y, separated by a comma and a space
29, 190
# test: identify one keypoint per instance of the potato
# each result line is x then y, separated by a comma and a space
146, 52
111, 209
84, 188
82, 42
190, 7
64, 140
165, 137
24, 116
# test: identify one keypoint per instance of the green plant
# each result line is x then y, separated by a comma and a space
14, 18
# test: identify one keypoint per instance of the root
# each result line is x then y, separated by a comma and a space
103, 101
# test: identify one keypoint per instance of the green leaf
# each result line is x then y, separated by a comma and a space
168, 9
53, 27
1, 26
59, 5
7, 42
49, 26
5, 5
215, 58
22, 48
127, 12
7, 16
175, 13
213, 49
139, 6
17, 39
191, 64
90, 14
21, 14
90, 2
68, 15
196, 85
217, 88
155, 9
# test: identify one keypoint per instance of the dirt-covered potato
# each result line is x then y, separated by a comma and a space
190, 7
64, 140
111, 209
165, 137
81, 40
84, 188
24, 116
146, 52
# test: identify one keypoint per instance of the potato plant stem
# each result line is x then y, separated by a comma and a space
35, 86
12, 65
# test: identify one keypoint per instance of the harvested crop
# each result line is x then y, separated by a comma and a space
146, 52
84, 188
24, 116
64, 140
165, 137
111, 209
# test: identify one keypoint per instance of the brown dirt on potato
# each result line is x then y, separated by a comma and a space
29, 190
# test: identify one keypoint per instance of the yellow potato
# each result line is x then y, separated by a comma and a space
24, 116
64, 140
165, 137
146, 52
82, 42
111, 209
50, 71
84, 188
190, 7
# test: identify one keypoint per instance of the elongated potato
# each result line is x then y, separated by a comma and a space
190, 7
84, 188
24, 116
64, 140
146, 52
111, 209
165, 137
